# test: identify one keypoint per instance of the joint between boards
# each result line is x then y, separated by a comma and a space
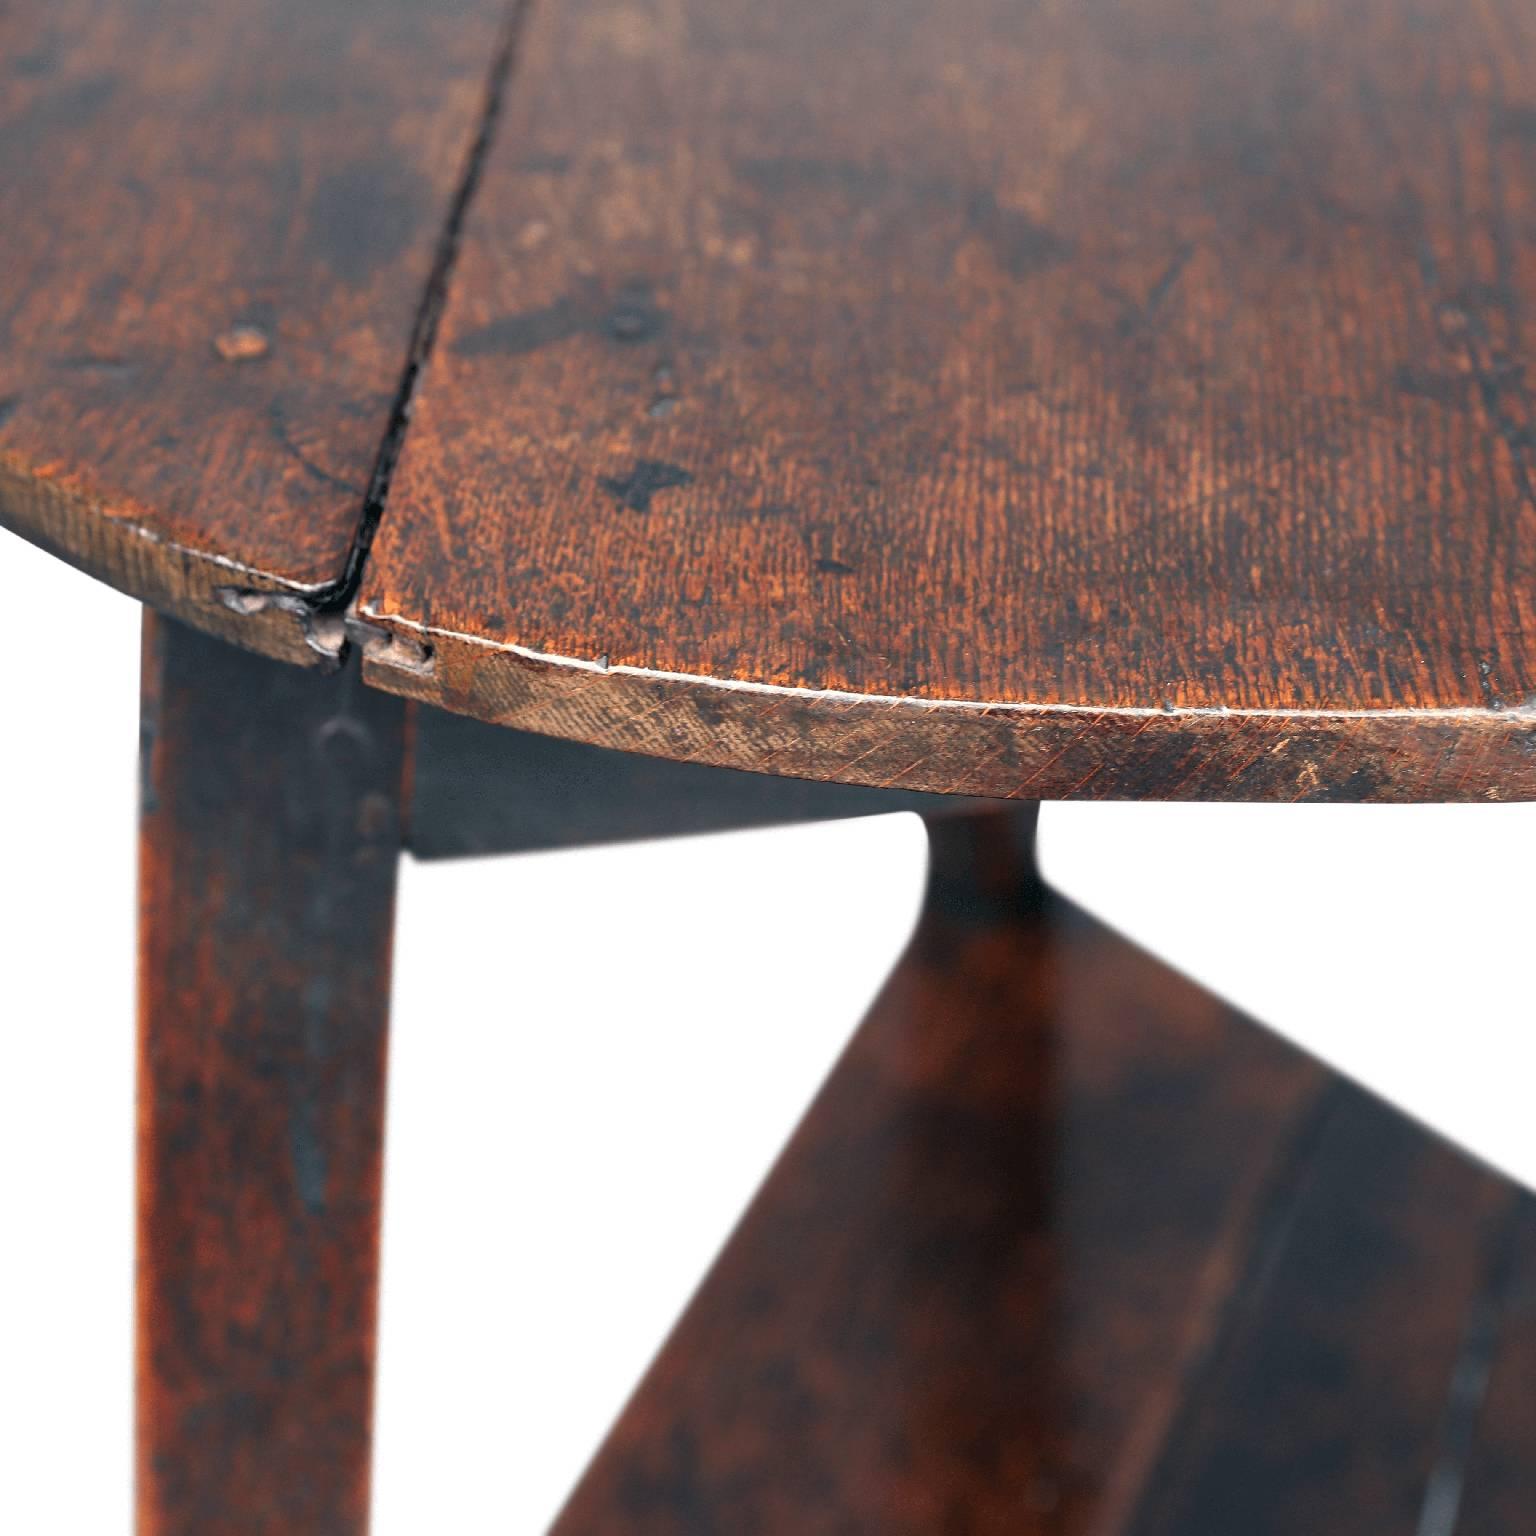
330, 632
328, 619
388, 648
323, 628
434, 299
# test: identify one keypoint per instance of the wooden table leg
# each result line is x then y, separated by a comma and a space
270, 829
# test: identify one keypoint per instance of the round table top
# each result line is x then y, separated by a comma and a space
1091, 397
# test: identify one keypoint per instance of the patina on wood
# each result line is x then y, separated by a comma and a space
1121, 398
1065, 1247
218, 226
1118, 399
483, 789
270, 835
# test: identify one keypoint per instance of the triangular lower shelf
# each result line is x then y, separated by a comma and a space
1067, 1246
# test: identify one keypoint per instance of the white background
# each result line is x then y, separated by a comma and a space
596, 1055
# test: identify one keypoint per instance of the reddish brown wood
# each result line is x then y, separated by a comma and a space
1121, 399
217, 226
1071, 373
1064, 1246
482, 789
269, 839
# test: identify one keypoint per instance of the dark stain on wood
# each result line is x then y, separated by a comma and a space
363, 217
631, 315
640, 485
270, 833
636, 316
1021, 245
513, 335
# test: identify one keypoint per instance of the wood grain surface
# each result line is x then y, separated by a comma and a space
480, 789
217, 226
1109, 399
1336, 1390
1091, 397
269, 839
1065, 1247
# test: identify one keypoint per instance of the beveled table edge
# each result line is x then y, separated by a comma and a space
995, 749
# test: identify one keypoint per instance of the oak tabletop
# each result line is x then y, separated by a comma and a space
1087, 397
216, 220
